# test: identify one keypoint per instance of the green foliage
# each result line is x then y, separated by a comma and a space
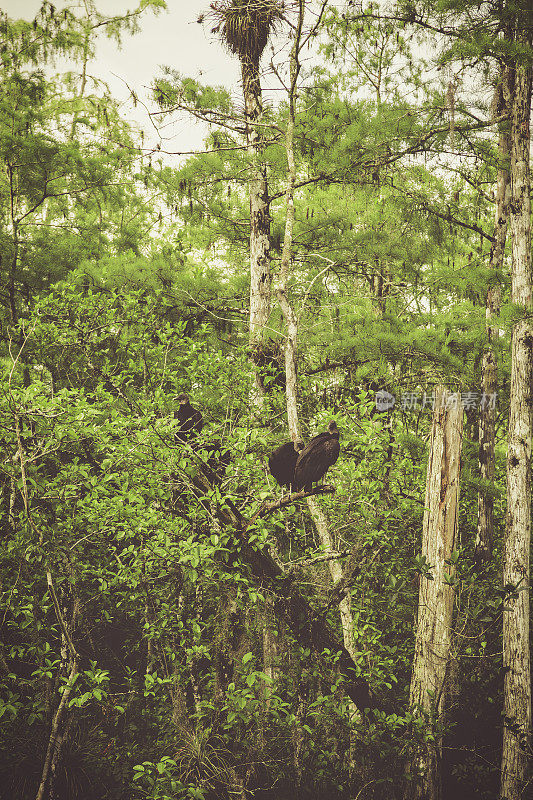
69, 190
173, 88
126, 283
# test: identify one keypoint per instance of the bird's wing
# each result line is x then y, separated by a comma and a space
332, 451
308, 466
315, 460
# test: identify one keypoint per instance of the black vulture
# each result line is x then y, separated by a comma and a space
283, 461
315, 459
190, 419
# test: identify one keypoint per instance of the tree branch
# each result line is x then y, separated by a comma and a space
267, 508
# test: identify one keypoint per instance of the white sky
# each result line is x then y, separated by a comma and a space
172, 38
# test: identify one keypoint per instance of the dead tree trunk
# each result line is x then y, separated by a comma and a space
436, 595
516, 654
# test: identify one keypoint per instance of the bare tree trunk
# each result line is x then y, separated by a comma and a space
270, 649
436, 596
345, 609
291, 322
516, 654
270, 654
489, 367
260, 279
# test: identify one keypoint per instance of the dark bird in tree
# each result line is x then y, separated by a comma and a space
283, 461
190, 419
315, 459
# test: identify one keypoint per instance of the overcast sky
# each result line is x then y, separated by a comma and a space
172, 38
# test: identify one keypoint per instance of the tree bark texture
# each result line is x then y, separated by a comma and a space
516, 649
436, 596
489, 366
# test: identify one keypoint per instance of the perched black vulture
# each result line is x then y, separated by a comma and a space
190, 419
283, 461
315, 459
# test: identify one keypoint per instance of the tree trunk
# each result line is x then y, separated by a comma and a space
489, 367
436, 596
12, 281
516, 655
55, 735
270, 648
291, 322
260, 280
290, 349
347, 624
68, 670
